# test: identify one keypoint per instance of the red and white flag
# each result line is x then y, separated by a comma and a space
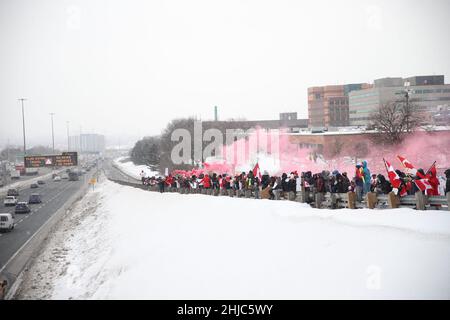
403, 192
408, 165
423, 184
393, 176
257, 172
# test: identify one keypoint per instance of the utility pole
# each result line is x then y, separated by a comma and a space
53, 134
7, 150
68, 139
81, 148
23, 127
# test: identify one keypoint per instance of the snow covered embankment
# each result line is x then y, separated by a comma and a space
129, 168
146, 245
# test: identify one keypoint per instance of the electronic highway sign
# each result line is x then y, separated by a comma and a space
66, 159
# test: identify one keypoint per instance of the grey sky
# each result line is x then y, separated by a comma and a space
125, 68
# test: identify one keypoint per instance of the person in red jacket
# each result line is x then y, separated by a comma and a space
206, 182
434, 182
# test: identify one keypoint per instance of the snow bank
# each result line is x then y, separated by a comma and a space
133, 170
145, 245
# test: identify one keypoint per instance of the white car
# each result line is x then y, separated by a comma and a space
57, 178
65, 176
6, 221
10, 201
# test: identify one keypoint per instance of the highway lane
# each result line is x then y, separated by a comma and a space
9, 181
54, 195
112, 172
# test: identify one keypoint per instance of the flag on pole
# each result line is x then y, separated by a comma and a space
393, 176
410, 168
433, 170
423, 184
257, 172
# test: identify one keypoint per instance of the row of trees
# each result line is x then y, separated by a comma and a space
11, 152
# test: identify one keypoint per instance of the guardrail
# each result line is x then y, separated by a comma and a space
327, 200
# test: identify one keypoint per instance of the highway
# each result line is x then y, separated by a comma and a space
54, 194
112, 172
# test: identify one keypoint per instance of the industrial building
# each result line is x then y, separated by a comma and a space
328, 106
87, 143
429, 96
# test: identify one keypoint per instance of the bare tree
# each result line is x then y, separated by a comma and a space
336, 147
393, 121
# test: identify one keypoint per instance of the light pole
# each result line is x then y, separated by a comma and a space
68, 140
23, 127
81, 148
53, 134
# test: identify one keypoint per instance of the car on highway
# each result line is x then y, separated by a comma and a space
10, 201
57, 178
73, 176
22, 207
6, 221
40, 182
12, 192
34, 198
64, 176
34, 186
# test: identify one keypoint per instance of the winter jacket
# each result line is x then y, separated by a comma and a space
265, 180
447, 184
206, 181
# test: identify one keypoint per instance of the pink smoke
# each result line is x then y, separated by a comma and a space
421, 148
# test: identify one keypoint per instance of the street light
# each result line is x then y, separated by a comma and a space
53, 134
23, 127
68, 140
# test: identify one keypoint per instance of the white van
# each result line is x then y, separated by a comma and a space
6, 221
10, 201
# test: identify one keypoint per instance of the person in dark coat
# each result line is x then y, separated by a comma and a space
383, 186
265, 180
345, 182
284, 182
161, 185
447, 184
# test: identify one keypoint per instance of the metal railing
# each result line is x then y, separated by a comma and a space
319, 200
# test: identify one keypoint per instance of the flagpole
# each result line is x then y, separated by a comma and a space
430, 167
385, 166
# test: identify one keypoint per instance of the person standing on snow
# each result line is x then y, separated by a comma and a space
359, 182
447, 184
367, 177
434, 182
142, 175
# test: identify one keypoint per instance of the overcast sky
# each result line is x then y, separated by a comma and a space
126, 68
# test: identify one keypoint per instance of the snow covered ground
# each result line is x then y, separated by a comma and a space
126, 243
133, 170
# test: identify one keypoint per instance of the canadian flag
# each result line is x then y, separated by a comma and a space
393, 176
256, 171
433, 170
410, 168
423, 184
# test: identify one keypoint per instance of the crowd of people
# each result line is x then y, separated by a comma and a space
361, 182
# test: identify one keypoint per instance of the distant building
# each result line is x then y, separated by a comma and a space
87, 143
287, 120
328, 106
428, 93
